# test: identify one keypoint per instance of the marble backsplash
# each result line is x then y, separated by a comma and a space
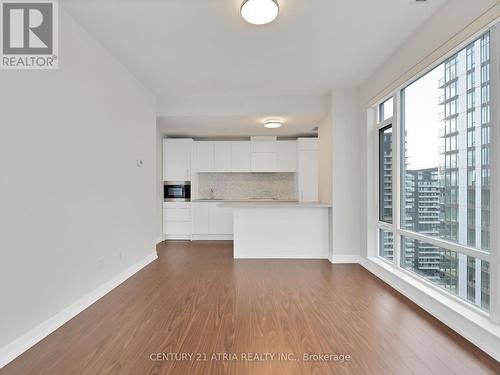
246, 186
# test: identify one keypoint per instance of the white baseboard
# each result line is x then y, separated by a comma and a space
343, 259
284, 257
14, 349
212, 237
160, 240
180, 237
473, 326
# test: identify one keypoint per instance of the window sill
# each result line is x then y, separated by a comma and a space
469, 322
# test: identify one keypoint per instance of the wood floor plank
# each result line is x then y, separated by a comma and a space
210, 312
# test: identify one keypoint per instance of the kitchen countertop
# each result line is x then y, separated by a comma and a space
289, 204
246, 200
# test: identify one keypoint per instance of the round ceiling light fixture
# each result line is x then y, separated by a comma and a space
259, 12
273, 124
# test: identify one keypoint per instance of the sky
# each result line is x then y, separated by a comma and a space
422, 120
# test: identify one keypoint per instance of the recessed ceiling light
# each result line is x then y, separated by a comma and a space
273, 124
259, 12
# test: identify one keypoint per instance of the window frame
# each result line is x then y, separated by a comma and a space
380, 131
493, 256
381, 125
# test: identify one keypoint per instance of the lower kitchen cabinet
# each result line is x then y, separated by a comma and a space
201, 217
211, 219
177, 220
220, 220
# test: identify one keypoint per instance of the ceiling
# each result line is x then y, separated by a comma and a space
234, 126
203, 48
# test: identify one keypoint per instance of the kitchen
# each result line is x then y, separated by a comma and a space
260, 192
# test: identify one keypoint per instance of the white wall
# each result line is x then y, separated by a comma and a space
340, 173
71, 195
454, 23
346, 175
325, 159
159, 184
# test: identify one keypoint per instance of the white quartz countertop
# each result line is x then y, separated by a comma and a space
250, 200
280, 204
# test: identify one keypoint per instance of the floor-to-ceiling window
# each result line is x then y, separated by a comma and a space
435, 168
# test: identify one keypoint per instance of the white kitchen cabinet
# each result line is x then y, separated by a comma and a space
177, 220
263, 162
286, 156
222, 156
201, 217
177, 159
177, 230
307, 144
263, 144
241, 156
204, 156
177, 214
308, 175
220, 219
211, 219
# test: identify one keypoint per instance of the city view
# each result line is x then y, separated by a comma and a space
446, 173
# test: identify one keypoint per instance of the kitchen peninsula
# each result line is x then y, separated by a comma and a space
280, 229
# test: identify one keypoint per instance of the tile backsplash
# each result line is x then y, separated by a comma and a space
246, 185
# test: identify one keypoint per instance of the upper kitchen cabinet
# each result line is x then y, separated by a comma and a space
241, 156
263, 162
310, 144
263, 154
286, 156
177, 159
222, 156
262, 144
212, 156
204, 156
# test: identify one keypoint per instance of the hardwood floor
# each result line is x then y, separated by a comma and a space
196, 299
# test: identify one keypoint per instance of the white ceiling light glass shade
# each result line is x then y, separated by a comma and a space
274, 124
259, 12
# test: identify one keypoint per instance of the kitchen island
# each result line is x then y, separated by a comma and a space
280, 230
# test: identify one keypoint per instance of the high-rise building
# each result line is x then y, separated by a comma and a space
386, 238
465, 170
422, 215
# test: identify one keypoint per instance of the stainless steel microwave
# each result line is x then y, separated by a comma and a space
177, 191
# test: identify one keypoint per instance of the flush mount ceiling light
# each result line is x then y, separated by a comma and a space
274, 124
259, 12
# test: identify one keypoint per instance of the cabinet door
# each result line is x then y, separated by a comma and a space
286, 156
177, 159
310, 144
222, 156
182, 228
264, 162
241, 156
177, 214
220, 219
308, 176
203, 156
201, 218
264, 145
